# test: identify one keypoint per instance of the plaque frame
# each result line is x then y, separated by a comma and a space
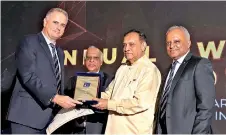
87, 103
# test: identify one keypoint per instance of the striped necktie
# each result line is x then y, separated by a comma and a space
166, 91
56, 66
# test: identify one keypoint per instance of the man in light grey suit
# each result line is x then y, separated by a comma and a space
186, 100
39, 84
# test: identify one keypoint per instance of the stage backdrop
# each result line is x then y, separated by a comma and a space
103, 23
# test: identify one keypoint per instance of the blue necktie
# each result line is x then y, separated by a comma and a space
166, 91
56, 66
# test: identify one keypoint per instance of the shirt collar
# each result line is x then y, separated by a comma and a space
139, 60
47, 40
181, 59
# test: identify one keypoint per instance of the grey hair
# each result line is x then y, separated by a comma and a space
100, 52
57, 10
181, 28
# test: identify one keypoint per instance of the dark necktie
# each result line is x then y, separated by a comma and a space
166, 91
56, 66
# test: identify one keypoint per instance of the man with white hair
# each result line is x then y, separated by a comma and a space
186, 99
95, 123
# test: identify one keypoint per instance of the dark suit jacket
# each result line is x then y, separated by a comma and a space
190, 104
35, 83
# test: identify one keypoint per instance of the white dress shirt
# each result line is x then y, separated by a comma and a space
50, 48
179, 62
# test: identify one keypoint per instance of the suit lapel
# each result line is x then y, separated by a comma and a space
160, 93
46, 49
101, 81
164, 79
180, 71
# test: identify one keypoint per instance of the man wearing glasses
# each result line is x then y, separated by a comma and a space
186, 100
95, 123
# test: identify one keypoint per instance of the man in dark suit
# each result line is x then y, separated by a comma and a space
186, 100
95, 123
39, 84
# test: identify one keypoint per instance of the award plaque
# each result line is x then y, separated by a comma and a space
87, 87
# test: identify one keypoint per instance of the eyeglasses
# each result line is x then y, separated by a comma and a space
92, 58
175, 42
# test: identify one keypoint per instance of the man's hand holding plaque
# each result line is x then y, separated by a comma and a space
102, 104
87, 87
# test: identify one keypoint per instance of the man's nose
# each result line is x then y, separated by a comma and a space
126, 48
172, 45
58, 27
92, 59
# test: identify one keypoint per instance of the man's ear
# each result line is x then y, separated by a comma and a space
189, 43
144, 44
101, 63
44, 22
